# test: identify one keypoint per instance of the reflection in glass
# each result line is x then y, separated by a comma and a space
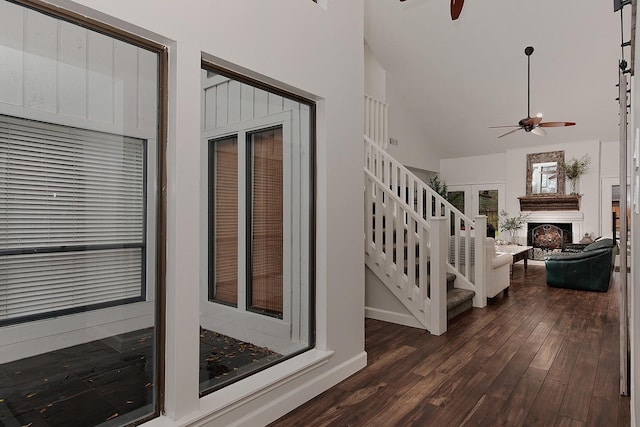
255, 309
78, 159
544, 178
488, 205
225, 221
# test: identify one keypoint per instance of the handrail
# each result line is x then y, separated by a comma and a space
413, 235
425, 202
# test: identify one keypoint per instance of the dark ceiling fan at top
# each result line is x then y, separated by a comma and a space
456, 8
535, 124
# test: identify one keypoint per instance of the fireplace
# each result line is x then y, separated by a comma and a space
548, 237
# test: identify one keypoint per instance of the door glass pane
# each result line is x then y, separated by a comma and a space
266, 222
456, 198
488, 205
224, 277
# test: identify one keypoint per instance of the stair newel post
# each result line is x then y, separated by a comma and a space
480, 299
438, 236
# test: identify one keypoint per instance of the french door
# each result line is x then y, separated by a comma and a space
479, 199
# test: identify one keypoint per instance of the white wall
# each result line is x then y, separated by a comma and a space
375, 77
610, 159
314, 52
474, 170
413, 149
510, 168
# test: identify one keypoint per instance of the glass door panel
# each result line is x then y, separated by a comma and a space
488, 199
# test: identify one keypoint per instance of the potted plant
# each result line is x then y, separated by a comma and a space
512, 224
574, 169
440, 187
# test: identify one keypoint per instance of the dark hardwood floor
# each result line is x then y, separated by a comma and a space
537, 357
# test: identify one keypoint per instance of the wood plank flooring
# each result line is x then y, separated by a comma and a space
537, 357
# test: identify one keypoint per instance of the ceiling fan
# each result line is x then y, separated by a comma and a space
535, 124
456, 8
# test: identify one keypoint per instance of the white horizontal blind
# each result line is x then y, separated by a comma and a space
71, 218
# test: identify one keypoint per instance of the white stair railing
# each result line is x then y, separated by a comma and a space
376, 121
400, 206
397, 251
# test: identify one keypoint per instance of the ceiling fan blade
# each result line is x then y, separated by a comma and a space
498, 127
538, 131
510, 132
555, 124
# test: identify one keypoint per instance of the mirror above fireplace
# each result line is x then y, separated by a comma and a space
544, 177
545, 184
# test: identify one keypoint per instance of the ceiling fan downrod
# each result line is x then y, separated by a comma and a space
528, 51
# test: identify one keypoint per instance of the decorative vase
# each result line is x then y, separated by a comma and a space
573, 183
586, 239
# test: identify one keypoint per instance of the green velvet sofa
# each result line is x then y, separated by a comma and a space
588, 270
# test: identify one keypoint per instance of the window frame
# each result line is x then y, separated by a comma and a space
160, 231
209, 66
242, 132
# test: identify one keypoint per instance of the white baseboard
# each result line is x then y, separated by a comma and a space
302, 394
392, 317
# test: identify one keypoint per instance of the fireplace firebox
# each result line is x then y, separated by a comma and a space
548, 237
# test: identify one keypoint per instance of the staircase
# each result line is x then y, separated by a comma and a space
415, 239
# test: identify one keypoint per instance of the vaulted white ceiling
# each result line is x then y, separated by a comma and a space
460, 77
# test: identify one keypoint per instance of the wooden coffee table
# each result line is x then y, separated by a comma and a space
517, 252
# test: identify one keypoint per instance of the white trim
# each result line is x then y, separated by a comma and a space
241, 323
575, 218
76, 122
228, 406
392, 317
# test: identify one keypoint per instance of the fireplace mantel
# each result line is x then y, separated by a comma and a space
552, 202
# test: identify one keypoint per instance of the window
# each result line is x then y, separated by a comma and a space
81, 258
257, 307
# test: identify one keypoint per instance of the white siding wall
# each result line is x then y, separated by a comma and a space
56, 72
75, 75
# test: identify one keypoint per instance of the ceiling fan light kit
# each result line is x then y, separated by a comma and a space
535, 124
